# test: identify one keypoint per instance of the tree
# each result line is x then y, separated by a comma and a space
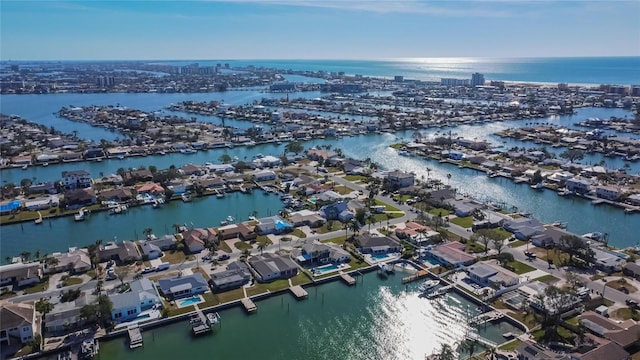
483, 237
360, 216
121, 273
225, 158
25, 256
354, 226
44, 307
498, 244
104, 310
294, 147
505, 258
370, 219
262, 246
536, 178
572, 155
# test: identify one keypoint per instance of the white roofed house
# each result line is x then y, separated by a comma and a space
77, 179
75, 261
143, 296
378, 244
579, 186
20, 274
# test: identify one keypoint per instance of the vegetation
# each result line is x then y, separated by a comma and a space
43, 285
68, 281
241, 245
520, 268
465, 222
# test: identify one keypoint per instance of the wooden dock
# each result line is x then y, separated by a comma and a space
199, 323
413, 277
348, 279
135, 336
298, 292
249, 306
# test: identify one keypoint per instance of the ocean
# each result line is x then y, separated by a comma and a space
573, 70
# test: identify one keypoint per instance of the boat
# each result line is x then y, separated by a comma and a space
188, 151
596, 236
45, 164
213, 318
429, 284
230, 219
38, 221
538, 186
558, 224
81, 215
89, 348
25, 166
186, 197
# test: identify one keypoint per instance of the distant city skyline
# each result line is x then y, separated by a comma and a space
310, 29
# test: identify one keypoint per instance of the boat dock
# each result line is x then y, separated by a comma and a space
486, 317
441, 291
348, 279
298, 291
199, 323
135, 336
473, 336
413, 277
249, 306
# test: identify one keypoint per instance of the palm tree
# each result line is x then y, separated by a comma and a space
428, 169
370, 219
262, 246
448, 179
354, 226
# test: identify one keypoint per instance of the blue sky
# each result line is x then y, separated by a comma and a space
316, 29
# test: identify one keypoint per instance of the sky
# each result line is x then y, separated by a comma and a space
316, 29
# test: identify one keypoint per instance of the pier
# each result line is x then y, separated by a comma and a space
443, 290
486, 317
298, 292
348, 279
249, 306
135, 336
199, 323
417, 276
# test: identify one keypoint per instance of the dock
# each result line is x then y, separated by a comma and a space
416, 276
199, 322
486, 317
298, 292
135, 336
249, 306
441, 291
348, 279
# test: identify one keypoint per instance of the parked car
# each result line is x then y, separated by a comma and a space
530, 255
148, 270
223, 257
206, 258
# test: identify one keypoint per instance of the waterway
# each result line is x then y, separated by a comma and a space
376, 319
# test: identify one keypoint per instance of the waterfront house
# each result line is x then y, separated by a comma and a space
43, 188
166, 242
112, 179
267, 161
415, 233
353, 167
117, 195
463, 208
530, 350
523, 228
326, 195
264, 175
80, 198
77, 179
608, 192
18, 323
632, 269
399, 179
229, 231
150, 188
306, 218
578, 186
269, 267
123, 253
76, 260
42, 203
625, 333
196, 239
337, 211
20, 274
216, 183
183, 286
65, 317
607, 260
370, 244
549, 237
128, 305
190, 169
320, 155
236, 275
134, 176
634, 199
314, 252
246, 232
451, 254
487, 273
149, 250
273, 225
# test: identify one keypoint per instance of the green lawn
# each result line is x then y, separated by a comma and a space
336, 240
299, 233
300, 279
39, 287
174, 256
521, 268
354, 178
439, 211
241, 245
173, 310
389, 207
7, 295
260, 288
502, 233
209, 300
547, 279
465, 222
71, 281
402, 198
511, 345
231, 295
516, 243
342, 190
224, 247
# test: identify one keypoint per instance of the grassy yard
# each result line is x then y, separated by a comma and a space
389, 207
511, 345
549, 279
517, 243
336, 240
260, 288
71, 281
622, 283
625, 314
342, 190
39, 287
224, 247
527, 319
7, 295
439, 212
263, 239
354, 178
300, 279
502, 233
299, 233
201, 271
174, 256
241, 245
174, 310
209, 300
402, 198
231, 295
473, 247
558, 257
520, 268
465, 222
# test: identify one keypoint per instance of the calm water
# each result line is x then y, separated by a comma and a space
377, 319
582, 70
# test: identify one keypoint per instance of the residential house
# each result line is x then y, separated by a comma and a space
530, 350
353, 167
306, 218
608, 192
77, 179
65, 317
487, 273
190, 169
134, 176
451, 254
196, 239
76, 260
632, 269
314, 252
549, 237
634, 199
150, 250
183, 286
607, 260
577, 185
415, 233
117, 195
320, 155
18, 323
123, 252
246, 232
43, 188
337, 211
399, 179
80, 198
269, 267
594, 348
142, 296
20, 274
370, 244
624, 333
463, 208
236, 275
150, 188
273, 225
264, 175
524, 228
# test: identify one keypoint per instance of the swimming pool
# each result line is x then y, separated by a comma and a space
325, 269
379, 256
282, 225
196, 299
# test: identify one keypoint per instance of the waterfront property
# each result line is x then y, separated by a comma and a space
19, 274
313, 252
75, 261
183, 286
269, 267
451, 253
370, 244
236, 275
65, 317
122, 252
142, 296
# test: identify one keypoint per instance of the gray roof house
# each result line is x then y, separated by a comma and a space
183, 286
269, 267
378, 244
128, 305
230, 279
165, 242
65, 317
122, 252
316, 252
150, 250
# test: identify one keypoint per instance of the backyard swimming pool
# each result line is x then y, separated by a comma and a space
196, 299
280, 225
379, 257
325, 269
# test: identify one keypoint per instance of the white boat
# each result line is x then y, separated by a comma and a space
188, 151
38, 221
89, 349
186, 197
230, 219
45, 164
538, 186
213, 318
429, 284
81, 215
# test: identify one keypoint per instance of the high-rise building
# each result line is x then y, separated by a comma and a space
477, 79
